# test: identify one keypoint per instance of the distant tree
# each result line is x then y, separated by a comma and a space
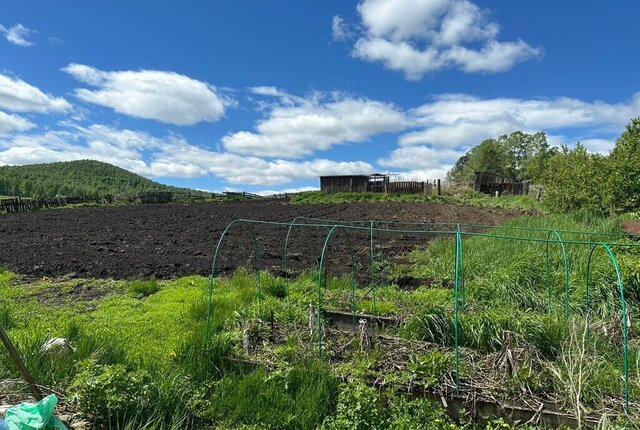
75, 178
517, 154
527, 154
624, 175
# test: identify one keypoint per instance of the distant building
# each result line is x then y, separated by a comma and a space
374, 183
353, 183
489, 183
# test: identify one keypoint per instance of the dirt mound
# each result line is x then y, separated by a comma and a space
174, 240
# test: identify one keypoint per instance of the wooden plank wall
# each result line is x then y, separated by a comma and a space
344, 184
408, 187
490, 183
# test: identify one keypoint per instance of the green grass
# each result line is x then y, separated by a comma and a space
141, 360
525, 202
144, 288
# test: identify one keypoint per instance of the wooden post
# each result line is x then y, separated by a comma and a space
439, 189
17, 360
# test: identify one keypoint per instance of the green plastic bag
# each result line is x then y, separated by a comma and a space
32, 416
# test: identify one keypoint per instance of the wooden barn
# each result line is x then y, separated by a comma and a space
350, 183
375, 183
490, 183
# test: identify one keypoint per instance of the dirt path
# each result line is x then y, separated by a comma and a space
174, 240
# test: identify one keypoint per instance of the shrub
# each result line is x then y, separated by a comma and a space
575, 181
109, 394
361, 407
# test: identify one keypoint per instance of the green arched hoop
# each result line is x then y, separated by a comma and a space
212, 278
565, 258
321, 282
623, 309
456, 320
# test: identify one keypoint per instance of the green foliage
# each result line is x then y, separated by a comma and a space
429, 367
312, 197
6, 319
488, 156
467, 197
108, 394
144, 288
86, 178
575, 180
362, 407
296, 398
624, 169
518, 154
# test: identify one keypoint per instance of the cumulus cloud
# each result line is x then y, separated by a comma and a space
168, 156
188, 160
420, 158
595, 145
18, 34
420, 36
151, 94
420, 163
18, 96
10, 123
300, 127
458, 120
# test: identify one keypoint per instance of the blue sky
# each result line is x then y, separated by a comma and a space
261, 96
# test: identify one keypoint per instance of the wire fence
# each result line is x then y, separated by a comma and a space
458, 233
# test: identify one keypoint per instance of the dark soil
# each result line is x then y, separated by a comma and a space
631, 227
172, 240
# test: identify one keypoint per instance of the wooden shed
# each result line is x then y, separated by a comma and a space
374, 183
344, 184
490, 183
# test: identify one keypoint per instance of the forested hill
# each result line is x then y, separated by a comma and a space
75, 178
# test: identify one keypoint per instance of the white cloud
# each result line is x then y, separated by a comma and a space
18, 35
340, 29
455, 120
285, 97
286, 190
169, 156
453, 123
424, 174
302, 126
151, 94
595, 145
420, 158
190, 161
420, 36
10, 123
18, 96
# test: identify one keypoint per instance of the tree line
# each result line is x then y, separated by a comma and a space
86, 178
574, 179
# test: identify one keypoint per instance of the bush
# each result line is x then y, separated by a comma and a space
109, 394
361, 407
575, 180
624, 182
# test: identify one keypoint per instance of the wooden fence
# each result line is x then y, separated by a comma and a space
19, 204
408, 187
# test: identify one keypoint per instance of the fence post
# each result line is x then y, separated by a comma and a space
439, 188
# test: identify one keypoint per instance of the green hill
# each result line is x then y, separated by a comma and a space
75, 178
